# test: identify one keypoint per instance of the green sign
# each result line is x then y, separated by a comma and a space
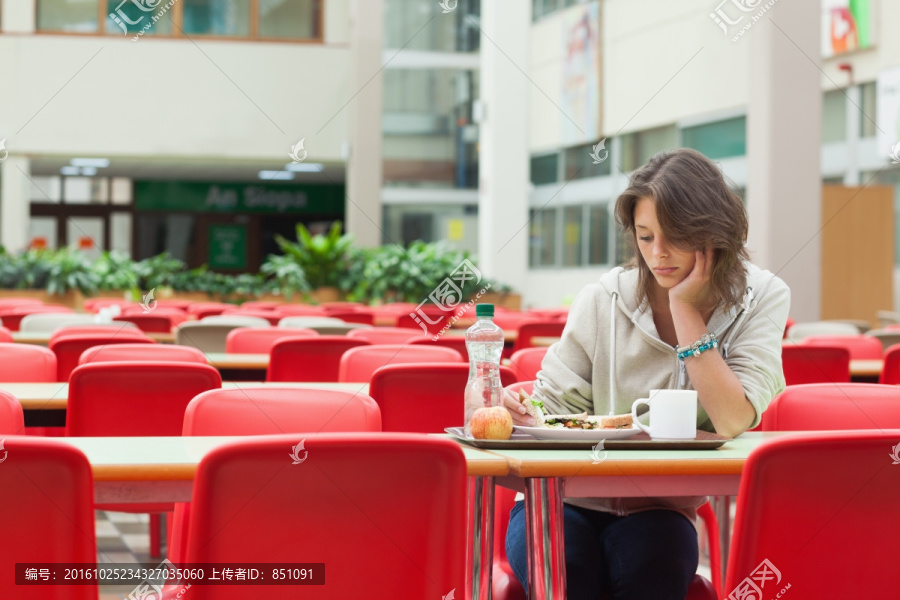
227, 246
260, 198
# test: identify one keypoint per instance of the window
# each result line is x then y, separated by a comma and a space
720, 139
128, 18
624, 247
834, 116
70, 16
413, 27
544, 169
288, 19
638, 147
573, 218
580, 163
867, 126
226, 18
598, 242
543, 237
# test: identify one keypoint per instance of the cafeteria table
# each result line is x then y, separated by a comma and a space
42, 338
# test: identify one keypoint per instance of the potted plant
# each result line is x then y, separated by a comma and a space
323, 259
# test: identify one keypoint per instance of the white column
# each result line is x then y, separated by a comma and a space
784, 188
364, 165
503, 181
18, 16
15, 203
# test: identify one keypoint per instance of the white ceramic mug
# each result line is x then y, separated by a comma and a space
673, 414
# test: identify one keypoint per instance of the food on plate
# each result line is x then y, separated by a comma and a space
571, 422
533, 408
492, 423
617, 422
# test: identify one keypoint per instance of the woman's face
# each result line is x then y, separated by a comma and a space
668, 264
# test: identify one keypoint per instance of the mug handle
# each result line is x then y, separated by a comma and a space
634, 416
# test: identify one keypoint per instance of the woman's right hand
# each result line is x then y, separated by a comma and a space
517, 409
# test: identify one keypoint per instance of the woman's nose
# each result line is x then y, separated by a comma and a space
659, 248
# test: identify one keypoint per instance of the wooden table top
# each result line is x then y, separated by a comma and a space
54, 396
234, 360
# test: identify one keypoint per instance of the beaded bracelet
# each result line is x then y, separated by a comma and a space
705, 343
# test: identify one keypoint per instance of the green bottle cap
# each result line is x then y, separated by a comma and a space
484, 310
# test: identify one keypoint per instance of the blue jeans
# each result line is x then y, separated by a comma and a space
651, 554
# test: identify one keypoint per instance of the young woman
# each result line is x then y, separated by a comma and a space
690, 278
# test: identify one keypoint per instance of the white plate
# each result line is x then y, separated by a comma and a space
562, 433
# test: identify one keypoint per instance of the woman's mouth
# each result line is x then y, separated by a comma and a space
663, 271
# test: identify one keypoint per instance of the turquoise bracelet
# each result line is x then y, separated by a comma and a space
707, 342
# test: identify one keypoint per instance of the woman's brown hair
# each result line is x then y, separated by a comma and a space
696, 209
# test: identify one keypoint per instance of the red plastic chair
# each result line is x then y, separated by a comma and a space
826, 406
812, 364
512, 321
300, 310
116, 329
341, 306
813, 500
12, 316
890, 371
5, 335
21, 301
790, 323
68, 348
861, 347
47, 494
182, 305
208, 310
269, 315
381, 490
26, 363
433, 322
536, 329
153, 323
457, 342
526, 363
423, 398
12, 418
385, 335
142, 352
309, 359
259, 340
356, 316
358, 364
135, 399
260, 305
94, 305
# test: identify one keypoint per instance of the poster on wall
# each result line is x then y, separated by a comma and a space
846, 26
580, 118
887, 102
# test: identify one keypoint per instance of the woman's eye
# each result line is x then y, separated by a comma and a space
645, 239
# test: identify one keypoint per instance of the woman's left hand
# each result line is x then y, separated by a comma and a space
692, 289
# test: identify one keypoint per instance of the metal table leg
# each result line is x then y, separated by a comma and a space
545, 544
482, 543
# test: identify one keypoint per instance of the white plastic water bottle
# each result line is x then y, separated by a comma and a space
484, 343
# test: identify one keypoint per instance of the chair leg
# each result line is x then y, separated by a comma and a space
155, 535
708, 516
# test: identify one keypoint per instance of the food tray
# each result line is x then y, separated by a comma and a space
641, 441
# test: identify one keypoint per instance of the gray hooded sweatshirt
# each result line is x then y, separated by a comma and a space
617, 353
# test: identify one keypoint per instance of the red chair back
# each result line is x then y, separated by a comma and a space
457, 342
300, 310
269, 315
12, 316
423, 398
12, 418
433, 321
201, 312
116, 329
95, 304
385, 335
260, 305
259, 340
890, 371
274, 410
330, 307
834, 492
825, 406
142, 352
537, 329
309, 359
251, 504
153, 323
355, 316
5, 335
13, 302
861, 347
47, 494
25, 362
358, 364
526, 363
815, 364
68, 348
134, 398
182, 305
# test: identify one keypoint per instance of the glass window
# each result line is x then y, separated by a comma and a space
544, 169
543, 237
719, 139
573, 218
42, 232
295, 19
598, 228
834, 116
640, 146
413, 26
227, 18
46, 189
120, 231
71, 16
580, 162
624, 249
120, 190
125, 17
867, 126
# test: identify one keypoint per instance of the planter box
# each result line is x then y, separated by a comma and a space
508, 301
72, 299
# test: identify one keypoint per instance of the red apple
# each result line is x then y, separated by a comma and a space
493, 423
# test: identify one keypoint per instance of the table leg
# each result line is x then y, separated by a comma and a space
545, 538
482, 549
723, 515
